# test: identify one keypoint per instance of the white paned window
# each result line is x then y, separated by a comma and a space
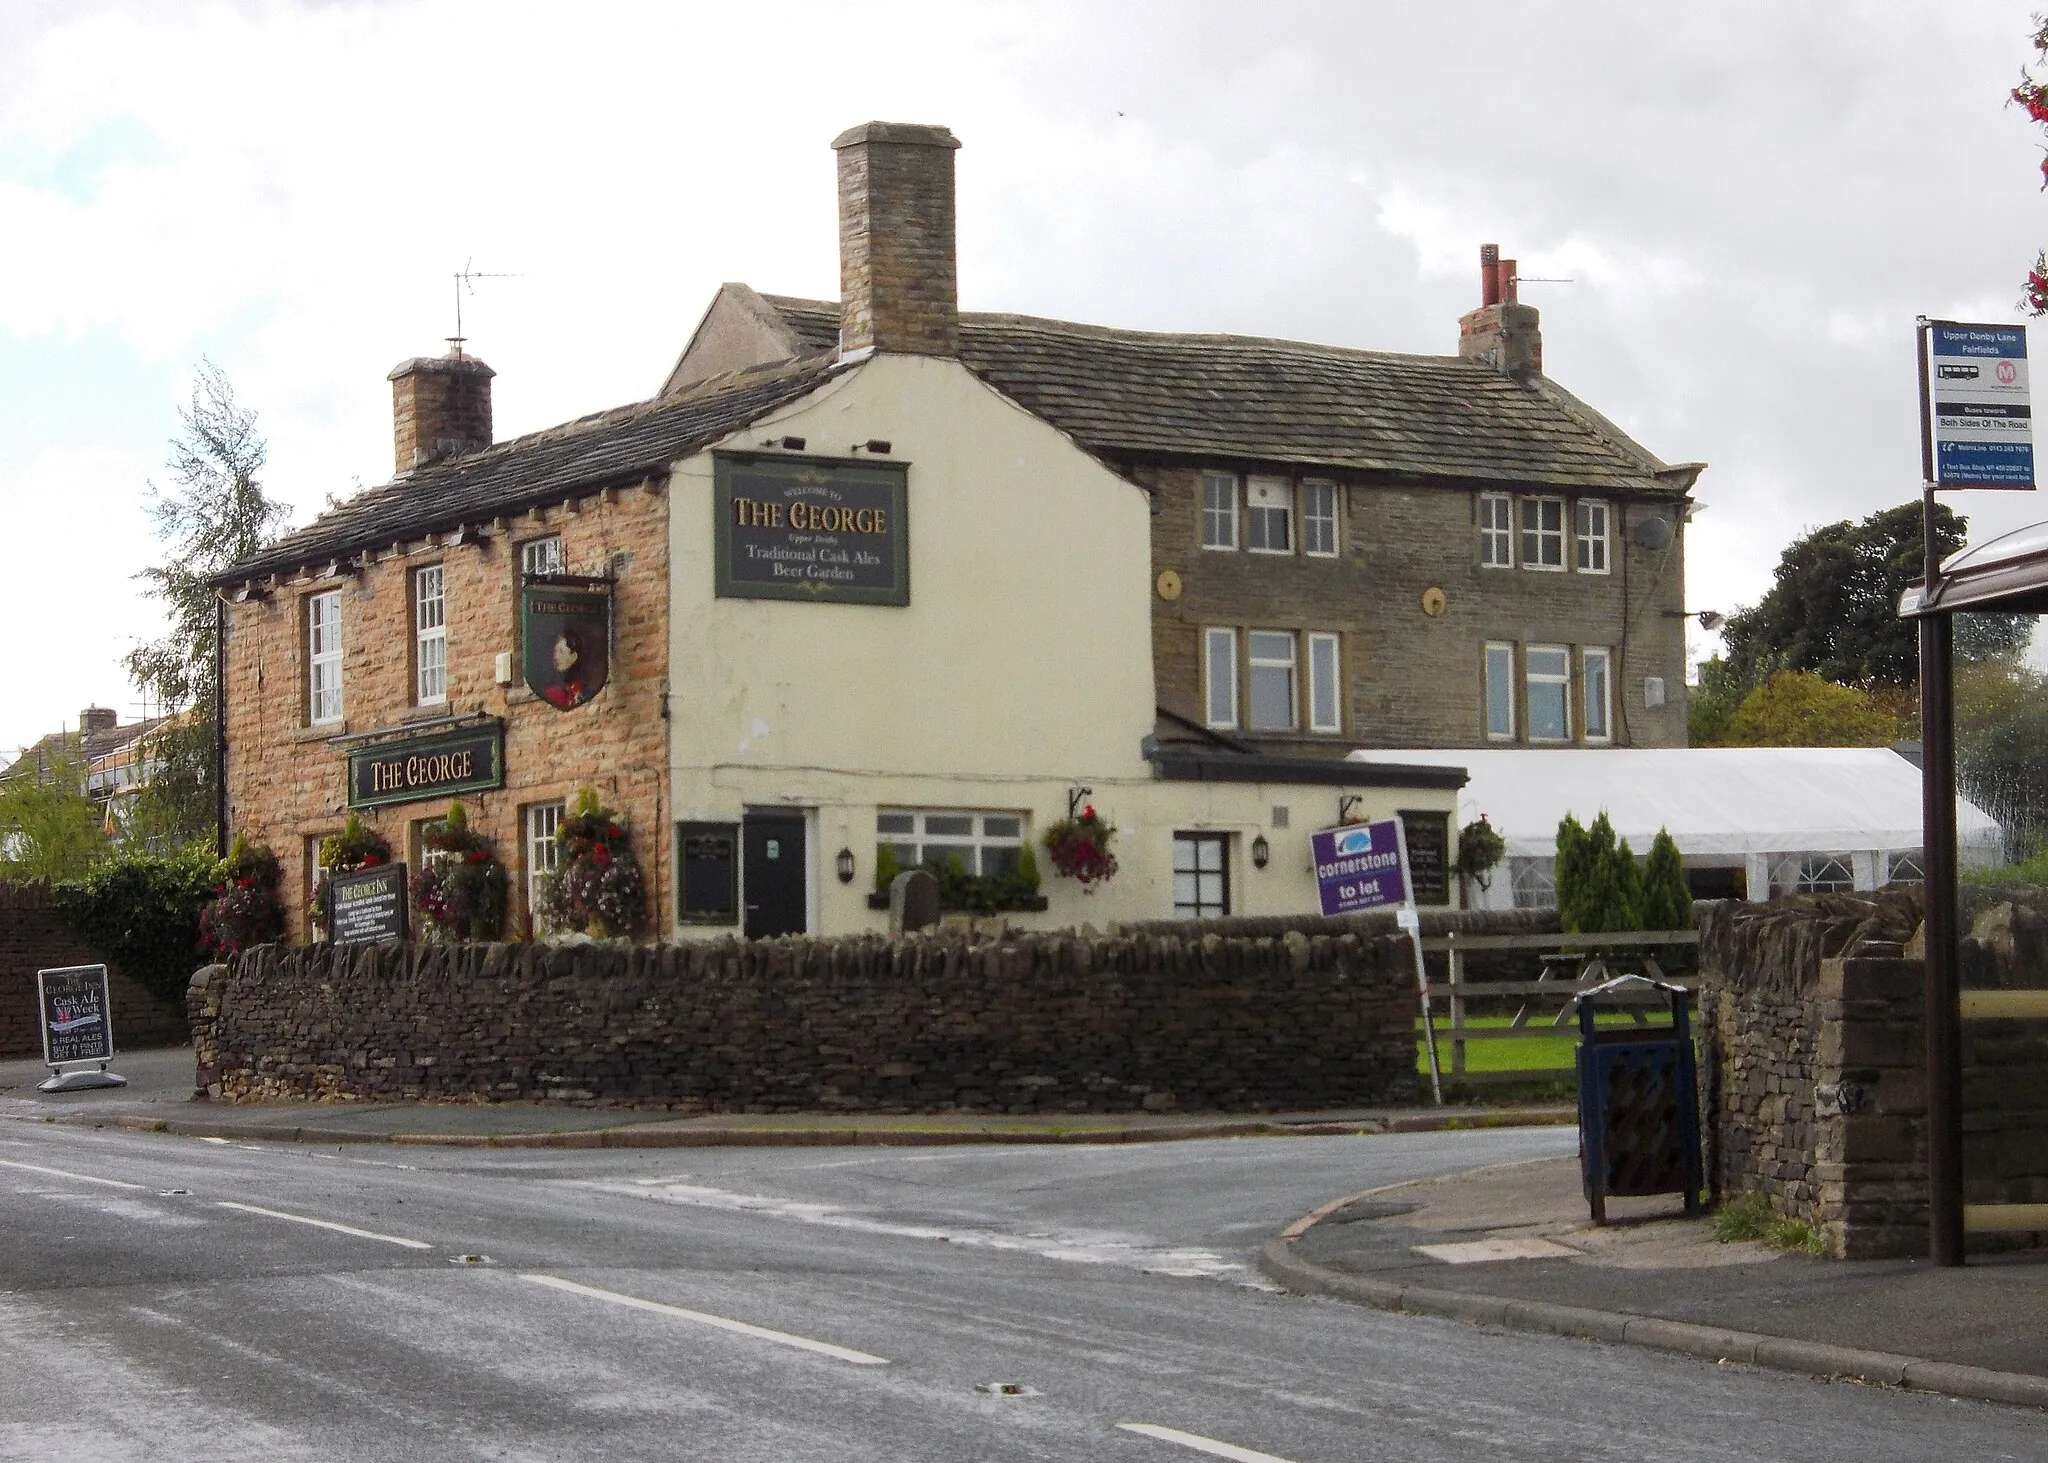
1219, 510
541, 555
430, 634
1201, 875
1813, 873
1543, 533
1904, 868
543, 830
323, 657
1597, 684
1269, 515
1271, 657
1589, 528
986, 844
1325, 698
1496, 531
1548, 671
1500, 691
1219, 676
1534, 882
1319, 518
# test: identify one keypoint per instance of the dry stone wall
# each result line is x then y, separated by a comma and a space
1039, 1023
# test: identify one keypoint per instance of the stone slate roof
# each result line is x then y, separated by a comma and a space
48, 752
612, 447
1243, 399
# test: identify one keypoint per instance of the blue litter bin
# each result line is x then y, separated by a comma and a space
1639, 1111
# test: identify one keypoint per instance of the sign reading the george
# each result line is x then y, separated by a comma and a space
437, 765
565, 626
812, 528
369, 904
1358, 867
1977, 406
78, 1023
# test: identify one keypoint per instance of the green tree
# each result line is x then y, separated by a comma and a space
2002, 748
1711, 705
49, 828
1597, 883
214, 515
1799, 709
1666, 898
1833, 606
1572, 870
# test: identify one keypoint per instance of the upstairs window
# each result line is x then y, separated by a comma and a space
1269, 515
1500, 691
1598, 682
1219, 510
1272, 680
430, 635
1496, 531
1547, 671
541, 555
1319, 518
1590, 530
1219, 676
1543, 533
323, 657
1325, 698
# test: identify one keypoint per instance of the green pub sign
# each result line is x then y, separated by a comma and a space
812, 528
441, 764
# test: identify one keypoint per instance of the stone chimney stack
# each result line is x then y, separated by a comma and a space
440, 406
96, 719
897, 286
1502, 332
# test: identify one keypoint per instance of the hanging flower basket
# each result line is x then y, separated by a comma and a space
246, 909
1079, 849
355, 847
462, 891
596, 887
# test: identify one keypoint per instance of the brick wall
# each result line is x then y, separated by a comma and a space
287, 785
35, 937
1033, 1023
896, 252
1813, 1073
1413, 679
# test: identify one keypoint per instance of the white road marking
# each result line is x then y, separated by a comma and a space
65, 1173
389, 1239
759, 1333
221, 1141
1199, 1443
1505, 1247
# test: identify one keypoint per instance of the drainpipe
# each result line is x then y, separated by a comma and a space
220, 727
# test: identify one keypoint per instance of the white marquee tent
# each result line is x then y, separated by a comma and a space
1750, 820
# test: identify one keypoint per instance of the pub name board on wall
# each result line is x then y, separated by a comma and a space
437, 765
812, 528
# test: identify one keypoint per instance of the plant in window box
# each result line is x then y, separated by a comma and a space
1079, 849
245, 909
967, 893
462, 891
596, 887
355, 847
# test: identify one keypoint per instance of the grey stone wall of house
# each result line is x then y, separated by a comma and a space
1813, 1079
1029, 1023
1413, 678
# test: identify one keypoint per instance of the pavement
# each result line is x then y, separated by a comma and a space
1513, 1247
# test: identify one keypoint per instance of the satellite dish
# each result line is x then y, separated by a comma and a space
1653, 532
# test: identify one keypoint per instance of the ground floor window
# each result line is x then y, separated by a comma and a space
987, 844
1201, 875
541, 835
1812, 873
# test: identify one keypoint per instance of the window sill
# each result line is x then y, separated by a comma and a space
425, 711
1544, 568
319, 732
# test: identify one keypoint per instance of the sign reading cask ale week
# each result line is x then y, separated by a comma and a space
78, 1024
436, 765
812, 528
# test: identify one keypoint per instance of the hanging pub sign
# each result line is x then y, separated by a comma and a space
565, 627
368, 904
1358, 867
812, 528
438, 764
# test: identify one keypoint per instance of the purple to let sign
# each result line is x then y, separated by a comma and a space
1359, 867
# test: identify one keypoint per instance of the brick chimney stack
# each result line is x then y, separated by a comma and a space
1503, 332
96, 719
897, 285
440, 406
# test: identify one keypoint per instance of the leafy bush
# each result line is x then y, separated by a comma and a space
245, 909
596, 887
141, 911
1667, 898
463, 894
887, 867
1751, 1217
1597, 883
355, 847
985, 893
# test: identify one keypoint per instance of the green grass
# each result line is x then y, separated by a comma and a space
1752, 1218
1552, 1051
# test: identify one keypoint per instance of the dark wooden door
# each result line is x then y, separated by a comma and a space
774, 869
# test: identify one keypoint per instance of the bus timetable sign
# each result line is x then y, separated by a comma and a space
1977, 405
1358, 867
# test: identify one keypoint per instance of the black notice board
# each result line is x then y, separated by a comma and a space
369, 904
707, 873
1429, 847
78, 1023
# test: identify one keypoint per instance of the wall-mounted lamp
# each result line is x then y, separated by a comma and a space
1709, 619
844, 863
1261, 851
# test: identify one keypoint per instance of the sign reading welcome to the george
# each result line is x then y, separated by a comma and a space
368, 904
438, 764
812, 528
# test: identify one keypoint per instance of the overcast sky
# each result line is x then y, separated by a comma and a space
1753, 201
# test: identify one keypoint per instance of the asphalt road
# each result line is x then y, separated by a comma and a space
172, 1298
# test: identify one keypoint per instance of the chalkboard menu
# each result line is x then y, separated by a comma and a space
1429, 847
707, 873
368, 904
812, 528
77, 1022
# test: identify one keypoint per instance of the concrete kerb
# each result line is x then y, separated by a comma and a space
1280, 1262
